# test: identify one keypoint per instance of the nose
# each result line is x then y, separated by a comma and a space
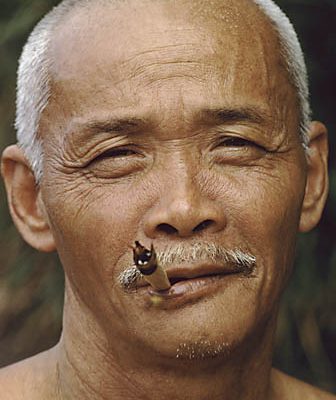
183, 211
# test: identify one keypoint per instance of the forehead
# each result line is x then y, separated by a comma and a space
168, 52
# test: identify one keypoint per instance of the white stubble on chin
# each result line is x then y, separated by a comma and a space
202, 350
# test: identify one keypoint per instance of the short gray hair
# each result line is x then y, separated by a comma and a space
33, 84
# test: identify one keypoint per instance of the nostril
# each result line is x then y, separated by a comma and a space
203, 225
166, 228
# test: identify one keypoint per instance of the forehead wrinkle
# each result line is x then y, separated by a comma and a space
183, 52
228, 63
167, 51
114, 124
82, 32
161, 70
185, 60
162, 49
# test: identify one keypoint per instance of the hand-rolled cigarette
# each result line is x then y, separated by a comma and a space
146, 261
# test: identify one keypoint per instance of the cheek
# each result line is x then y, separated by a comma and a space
264, 201
272, 221
275, 211
263, 212
94, 227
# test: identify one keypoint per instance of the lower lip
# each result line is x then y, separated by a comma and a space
190, 290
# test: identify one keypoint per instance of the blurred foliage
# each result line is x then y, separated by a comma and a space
31, 284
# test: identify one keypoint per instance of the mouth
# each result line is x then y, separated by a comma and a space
189, 283
175, 280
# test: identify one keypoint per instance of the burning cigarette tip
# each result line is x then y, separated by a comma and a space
145, 259
146, 262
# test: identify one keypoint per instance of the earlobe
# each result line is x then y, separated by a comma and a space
24, 199
317, 184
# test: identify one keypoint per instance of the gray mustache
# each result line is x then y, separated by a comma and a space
189, 253
181, 253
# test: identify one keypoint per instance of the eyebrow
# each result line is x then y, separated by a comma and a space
115, 125
129, 124
239, 114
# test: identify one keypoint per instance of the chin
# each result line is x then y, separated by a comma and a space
206, 330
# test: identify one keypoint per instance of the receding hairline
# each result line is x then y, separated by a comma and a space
73, 18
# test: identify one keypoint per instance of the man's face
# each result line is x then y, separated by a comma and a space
172, 124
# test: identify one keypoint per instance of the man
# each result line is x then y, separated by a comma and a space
186, 125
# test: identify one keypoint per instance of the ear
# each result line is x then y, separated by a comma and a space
317, 184
25, 201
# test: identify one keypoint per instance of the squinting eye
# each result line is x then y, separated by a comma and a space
117, 153
239, 142
117, 162
236, 142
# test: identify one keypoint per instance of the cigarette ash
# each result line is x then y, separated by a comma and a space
129, 278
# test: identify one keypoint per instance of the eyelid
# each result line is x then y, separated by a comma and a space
235, 138
114, 152
108, 153
244, 141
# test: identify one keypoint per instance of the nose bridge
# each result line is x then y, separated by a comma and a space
185, 195
183, 208
182, 183
183, 191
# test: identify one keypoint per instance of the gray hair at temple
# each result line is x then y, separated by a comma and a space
33, 84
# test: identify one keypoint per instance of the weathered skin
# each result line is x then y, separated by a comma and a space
146, 80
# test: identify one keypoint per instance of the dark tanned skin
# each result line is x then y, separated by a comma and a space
169, 122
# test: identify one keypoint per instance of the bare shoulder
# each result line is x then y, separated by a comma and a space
286, 387
34, 379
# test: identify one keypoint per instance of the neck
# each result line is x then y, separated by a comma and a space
90, 367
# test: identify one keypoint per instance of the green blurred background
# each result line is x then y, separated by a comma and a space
31, 284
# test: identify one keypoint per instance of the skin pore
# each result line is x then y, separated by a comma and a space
169, 123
